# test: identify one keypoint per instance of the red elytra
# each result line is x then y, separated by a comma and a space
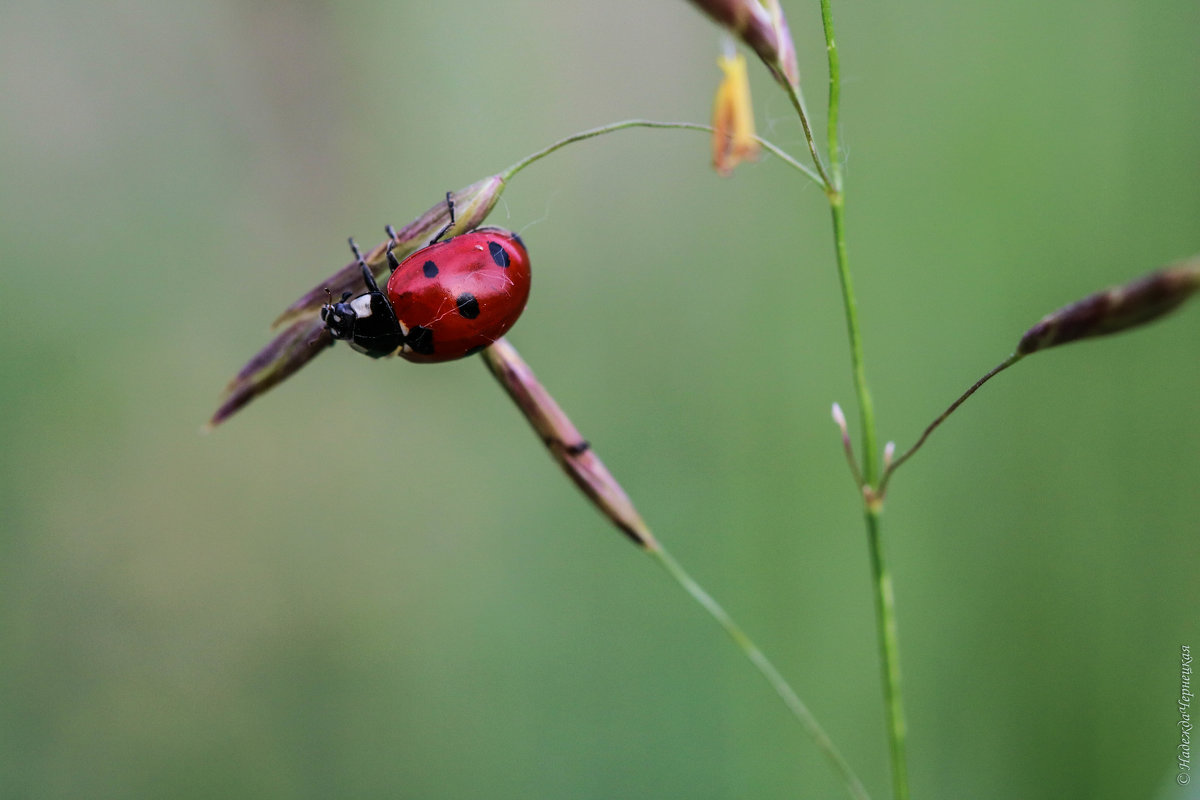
456, 297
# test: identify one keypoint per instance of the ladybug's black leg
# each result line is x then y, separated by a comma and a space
449, 205
393, 262
391, 232
368, 278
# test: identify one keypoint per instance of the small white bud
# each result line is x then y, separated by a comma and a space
838, 417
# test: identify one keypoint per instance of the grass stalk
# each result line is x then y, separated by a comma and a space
889, 649
885, 601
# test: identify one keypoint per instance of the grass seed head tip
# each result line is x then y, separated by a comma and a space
763, 28
1114, 310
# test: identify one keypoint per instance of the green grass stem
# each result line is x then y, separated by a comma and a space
771, 148
885, 601
744, 643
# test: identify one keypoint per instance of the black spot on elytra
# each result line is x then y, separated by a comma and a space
468, 306
472, 351
420, 339
431, 269
499, 254
517, 238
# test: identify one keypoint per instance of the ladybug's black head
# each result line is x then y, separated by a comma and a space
339, 318
367, 321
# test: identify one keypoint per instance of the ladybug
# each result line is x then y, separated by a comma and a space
446, 301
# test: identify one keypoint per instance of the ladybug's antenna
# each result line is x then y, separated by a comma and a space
368, 278
325, 308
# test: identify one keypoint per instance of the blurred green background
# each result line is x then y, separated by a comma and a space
374, 583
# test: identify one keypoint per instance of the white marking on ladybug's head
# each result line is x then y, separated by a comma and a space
361, 306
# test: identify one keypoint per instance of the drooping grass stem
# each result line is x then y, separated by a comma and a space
853, 785
771, 148
580, 462
993, 372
